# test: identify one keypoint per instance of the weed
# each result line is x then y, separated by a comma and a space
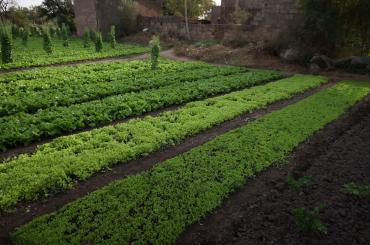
298, 184
308, 220
357, 190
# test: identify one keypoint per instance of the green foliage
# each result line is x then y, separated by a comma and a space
309, 221
47, 42
34, 54
166, 129
196, 8
112, 37
6, 44
101, 108
298, 184
92, 35
332, 24
60, 11
98, 42
25, 37
357, 190
155, 50
178, 192
65, 35
86, 39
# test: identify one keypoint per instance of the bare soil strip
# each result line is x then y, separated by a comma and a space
260, 212
25, 212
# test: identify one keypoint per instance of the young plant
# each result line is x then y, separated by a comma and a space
112, 37
98, 42
307, 220
357, 190
86, 39
92, 35
6, 44
298, 184
25, 36
65, 34
155, 49
47, 41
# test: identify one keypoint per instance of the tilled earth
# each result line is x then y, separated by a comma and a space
261, 212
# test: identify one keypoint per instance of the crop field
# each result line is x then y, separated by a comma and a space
226, 125
34, 55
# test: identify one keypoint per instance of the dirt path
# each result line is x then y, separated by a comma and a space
27, 211
261, 212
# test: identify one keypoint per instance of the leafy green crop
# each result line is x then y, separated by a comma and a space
154, 207
34, 54
55, 166
54, 121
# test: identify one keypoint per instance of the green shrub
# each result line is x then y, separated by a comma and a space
86, 39
155, 49
25, 36
92, 35
98, 42
47, 41
65, 34
112, 37
298, 184
310, 221
6, 44
357, 190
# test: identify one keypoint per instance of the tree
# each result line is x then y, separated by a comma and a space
195, 8
5, 5
334, 24
59, 10
47, 41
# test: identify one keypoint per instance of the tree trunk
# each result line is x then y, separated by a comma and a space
187, 20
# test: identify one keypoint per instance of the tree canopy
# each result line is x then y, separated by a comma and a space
196, 8
59, 10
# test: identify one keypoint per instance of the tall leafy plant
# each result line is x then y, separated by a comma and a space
112, 37
65, 35
98, 42
155, 49
6, 44
47, 41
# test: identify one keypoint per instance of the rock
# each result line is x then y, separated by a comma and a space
291, 55
324, 62
343, 63
360, 62
314, 68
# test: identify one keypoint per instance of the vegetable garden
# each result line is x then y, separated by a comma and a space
96, 117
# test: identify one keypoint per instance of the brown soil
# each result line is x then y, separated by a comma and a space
261, 212
25, 212
252, 57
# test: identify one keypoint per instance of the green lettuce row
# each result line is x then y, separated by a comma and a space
34, 55
57, 165
39, 79
22, 128
31, 101
154, 207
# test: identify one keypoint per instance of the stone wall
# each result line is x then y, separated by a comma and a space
101, 14
85, 12
267, 20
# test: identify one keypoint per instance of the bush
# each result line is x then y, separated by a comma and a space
25, 36
98, 42
47, 41
86, 39
155, 49
112, 37
65, 34
6, 44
